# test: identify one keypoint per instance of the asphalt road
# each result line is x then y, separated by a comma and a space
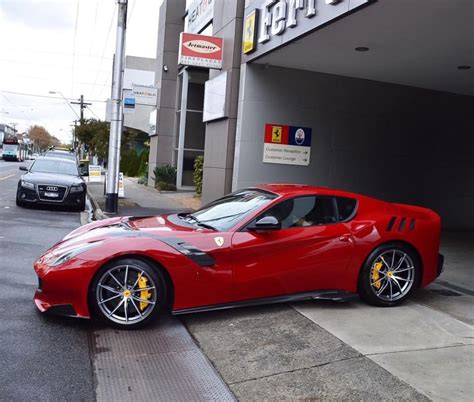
43, 358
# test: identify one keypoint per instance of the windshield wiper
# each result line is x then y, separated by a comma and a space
198, 222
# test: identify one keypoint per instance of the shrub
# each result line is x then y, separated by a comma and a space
143, 179
133, 164
197, 175
124, 161
143, 163
165, 178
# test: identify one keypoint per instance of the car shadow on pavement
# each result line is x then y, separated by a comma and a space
54, 208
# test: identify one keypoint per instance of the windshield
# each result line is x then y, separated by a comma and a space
225, 212
64, 155
54, 166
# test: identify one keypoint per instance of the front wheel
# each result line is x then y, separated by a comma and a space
389, 275
128, 293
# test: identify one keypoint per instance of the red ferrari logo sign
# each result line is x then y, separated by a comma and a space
200, 51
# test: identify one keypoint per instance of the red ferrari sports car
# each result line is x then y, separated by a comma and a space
273, 243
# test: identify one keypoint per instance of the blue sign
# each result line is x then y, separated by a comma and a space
299, 136
129, 103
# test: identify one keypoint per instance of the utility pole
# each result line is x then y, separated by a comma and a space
74, 134
83, 105
111, 195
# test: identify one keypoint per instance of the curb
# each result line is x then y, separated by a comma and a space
96, 209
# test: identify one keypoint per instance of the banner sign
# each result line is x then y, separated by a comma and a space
199, 14
287, 145
95, 173
250, 32
144, 94
200, 51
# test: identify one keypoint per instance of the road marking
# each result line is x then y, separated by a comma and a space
6, 177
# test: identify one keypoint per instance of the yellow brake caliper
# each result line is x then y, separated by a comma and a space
144, 294
376, 275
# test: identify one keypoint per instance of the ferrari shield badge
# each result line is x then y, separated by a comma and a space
219, 241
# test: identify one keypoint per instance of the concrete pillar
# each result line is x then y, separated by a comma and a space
170, 25
220, 134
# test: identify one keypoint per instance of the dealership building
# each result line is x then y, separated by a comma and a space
375, 97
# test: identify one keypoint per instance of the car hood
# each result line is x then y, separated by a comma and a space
50, 178
160, 226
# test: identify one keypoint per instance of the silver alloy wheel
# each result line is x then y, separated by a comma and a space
120, 291
392, 275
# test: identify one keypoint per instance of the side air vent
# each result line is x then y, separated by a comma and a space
391, 223
412, 224
402, 224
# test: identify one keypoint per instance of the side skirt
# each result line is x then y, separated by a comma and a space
334, 295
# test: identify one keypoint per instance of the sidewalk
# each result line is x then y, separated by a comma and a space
141, 200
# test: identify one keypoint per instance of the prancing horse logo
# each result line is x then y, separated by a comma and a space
219, 241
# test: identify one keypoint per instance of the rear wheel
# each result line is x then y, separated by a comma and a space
128, 293
389, 275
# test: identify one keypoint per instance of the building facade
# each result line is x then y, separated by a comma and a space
375, 97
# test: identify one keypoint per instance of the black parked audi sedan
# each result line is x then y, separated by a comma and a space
52, 181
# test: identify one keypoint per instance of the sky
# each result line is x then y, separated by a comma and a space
66, 47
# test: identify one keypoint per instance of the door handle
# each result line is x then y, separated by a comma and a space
346, 238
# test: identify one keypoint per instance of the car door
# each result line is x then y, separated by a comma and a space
309, 252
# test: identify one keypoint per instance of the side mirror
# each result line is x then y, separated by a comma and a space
266, 223
23, 168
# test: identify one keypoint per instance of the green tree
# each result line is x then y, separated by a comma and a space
95, 135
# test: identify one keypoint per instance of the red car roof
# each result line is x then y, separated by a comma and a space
302, 189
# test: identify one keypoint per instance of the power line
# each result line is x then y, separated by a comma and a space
95, 25
90, 110
44, 96
131, 11
105, 49
74, 48
82, 105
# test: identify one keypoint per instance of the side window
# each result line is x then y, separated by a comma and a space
346, 207
303, 211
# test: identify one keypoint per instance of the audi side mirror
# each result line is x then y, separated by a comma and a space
23, 168
266, 223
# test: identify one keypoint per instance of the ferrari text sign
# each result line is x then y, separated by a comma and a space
200, 51
287, 145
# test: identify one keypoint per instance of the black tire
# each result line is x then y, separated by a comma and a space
132, 313
82, 206
18, 202
389, 275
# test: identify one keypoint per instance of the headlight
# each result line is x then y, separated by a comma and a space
72, 252
77, 189
27, 184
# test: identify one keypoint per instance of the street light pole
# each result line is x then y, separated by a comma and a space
111, 196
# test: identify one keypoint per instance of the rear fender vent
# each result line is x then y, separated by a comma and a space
402, 225
391, 223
